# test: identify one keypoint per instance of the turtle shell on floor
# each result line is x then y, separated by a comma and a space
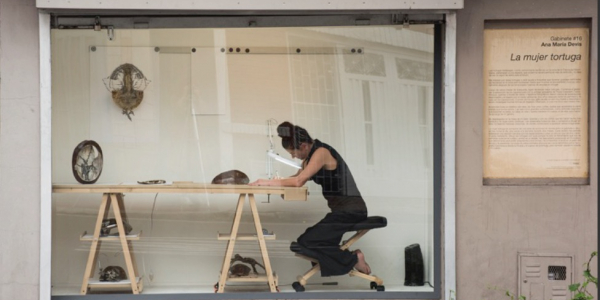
113, 273
239, 270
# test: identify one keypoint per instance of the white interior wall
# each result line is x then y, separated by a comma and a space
197, 146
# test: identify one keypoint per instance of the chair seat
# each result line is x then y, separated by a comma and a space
297, 248
370, 223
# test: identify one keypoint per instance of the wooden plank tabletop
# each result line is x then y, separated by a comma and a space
288, 193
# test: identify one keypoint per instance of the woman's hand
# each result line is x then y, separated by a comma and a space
290, 181
258, 182
267, 182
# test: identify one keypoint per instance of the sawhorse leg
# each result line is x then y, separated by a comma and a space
262, 244
120, 215
231, 244
93, 255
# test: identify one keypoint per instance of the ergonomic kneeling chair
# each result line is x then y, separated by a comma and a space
361, 229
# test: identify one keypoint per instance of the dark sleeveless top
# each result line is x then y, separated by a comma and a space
339, 188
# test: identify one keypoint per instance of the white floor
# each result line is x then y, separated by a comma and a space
235, 288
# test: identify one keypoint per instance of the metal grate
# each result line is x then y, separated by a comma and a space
557, 273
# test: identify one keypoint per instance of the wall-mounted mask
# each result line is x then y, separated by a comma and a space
127, 84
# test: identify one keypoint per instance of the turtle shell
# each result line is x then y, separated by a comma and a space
231, 177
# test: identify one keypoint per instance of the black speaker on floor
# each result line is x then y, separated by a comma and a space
414, 266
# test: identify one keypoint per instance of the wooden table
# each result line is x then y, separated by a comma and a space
113, 194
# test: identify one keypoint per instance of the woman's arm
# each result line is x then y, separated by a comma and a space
321, 158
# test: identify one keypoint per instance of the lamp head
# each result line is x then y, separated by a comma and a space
281, 159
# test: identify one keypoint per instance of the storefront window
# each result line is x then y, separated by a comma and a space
184, 105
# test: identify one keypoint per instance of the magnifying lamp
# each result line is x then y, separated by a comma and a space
271, 153
283, 160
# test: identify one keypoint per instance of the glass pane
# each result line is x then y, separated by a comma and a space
185, 105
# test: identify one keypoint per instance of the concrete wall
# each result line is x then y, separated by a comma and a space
19, 150
496, 222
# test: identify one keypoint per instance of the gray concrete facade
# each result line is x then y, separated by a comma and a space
19, 150
494, 223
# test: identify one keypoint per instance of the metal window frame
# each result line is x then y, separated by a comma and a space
444, 129
276, 6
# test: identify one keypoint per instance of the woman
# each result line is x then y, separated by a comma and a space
324, 165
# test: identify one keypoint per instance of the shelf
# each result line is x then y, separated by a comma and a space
90, 237
252, 278
97, 284
244, 237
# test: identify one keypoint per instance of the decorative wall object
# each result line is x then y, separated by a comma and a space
87, 162
127, 84
119, 77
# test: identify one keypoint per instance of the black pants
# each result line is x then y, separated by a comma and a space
323, 239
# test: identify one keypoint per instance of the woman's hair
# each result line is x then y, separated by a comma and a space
292, 136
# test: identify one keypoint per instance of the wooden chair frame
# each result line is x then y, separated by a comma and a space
376, 282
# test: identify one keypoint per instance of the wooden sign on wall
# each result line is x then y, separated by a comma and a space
536, 104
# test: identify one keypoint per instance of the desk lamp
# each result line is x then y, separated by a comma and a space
272, 155
281, 159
